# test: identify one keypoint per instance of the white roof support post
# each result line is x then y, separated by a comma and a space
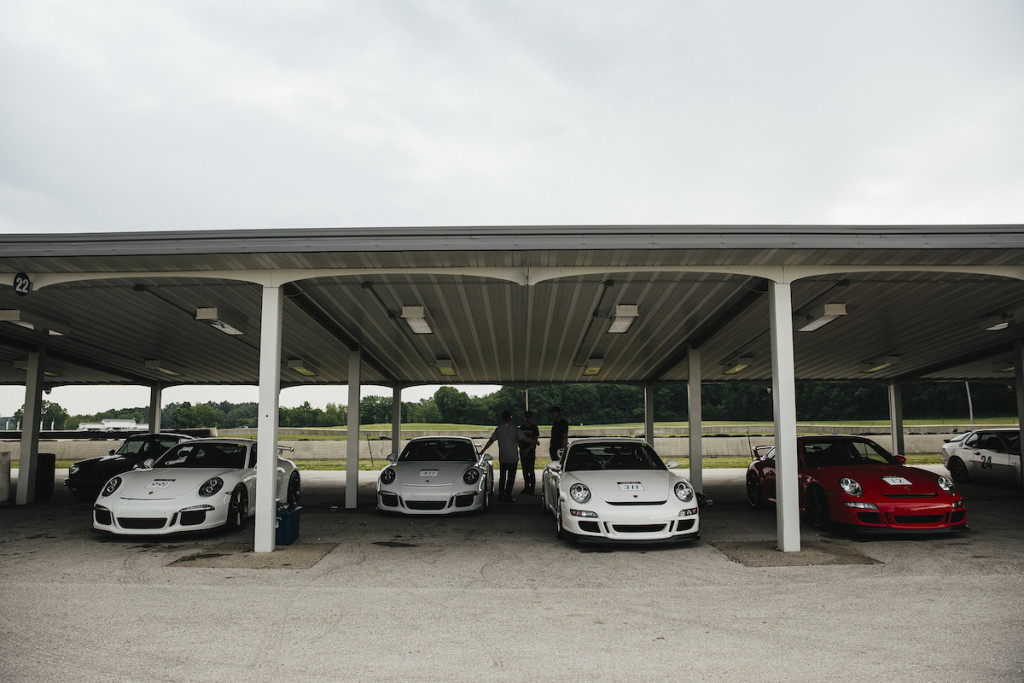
155, 400
396, 419
787, 489
29, 458
649, 414
896, 418
352, 440
266, 428
695, 418
1018, 373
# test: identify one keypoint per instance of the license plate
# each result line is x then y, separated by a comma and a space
630, 486
897, 481
160, 483
428, 473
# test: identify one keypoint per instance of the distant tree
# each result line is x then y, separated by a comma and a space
375, 409
423, 412
334, 416
49, 414
240, 415
452, 403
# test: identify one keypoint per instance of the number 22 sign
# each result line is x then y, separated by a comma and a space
22, 285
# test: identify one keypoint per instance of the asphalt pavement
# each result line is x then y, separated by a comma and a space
362, 596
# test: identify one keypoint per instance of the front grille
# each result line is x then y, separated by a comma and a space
911, 495
592, 527
637, 502
426, 504
869, 517
141, 522
639, 528
103, 517
389, 499
464, 501
685, 524
957, 516
917, 519
193, 517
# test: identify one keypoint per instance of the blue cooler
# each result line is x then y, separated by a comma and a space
287, 524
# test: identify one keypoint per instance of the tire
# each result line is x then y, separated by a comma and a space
238, 509
754, 497
294, 489
817, 509
957, 470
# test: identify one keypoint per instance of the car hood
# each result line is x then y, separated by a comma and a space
619, 486
883, 479
169, 482
413, 473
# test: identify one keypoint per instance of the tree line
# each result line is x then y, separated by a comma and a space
592, 404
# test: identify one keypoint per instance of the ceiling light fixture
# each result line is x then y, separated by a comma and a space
736, 365
1006, 365
221, 320
164, 367
878, 365
302, 367
416, 318
446, 367
50, 371
623, 317
34, 321
822, 316
592, 366
998, 321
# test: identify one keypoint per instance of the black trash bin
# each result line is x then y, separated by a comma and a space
46, 465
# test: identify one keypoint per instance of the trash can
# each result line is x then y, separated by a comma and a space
287, 524
45, 471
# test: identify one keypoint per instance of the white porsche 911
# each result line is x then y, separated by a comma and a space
618, 489
196, 485
436, 475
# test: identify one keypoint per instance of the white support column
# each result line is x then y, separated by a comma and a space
649, 414
1018, 373
29, 457
155, 400
896, 418
396, 419
352, 455
265, 506
696, 419
784, 397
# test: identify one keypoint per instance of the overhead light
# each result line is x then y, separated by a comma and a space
623, 317
416, 318
34, 321
1006, 365
227, 323
446, 367
163, 366
592, 366
822, 316
736, 365
999, 321
302, 367
878, 365
49, 371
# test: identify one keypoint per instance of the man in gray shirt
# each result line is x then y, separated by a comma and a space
508, 437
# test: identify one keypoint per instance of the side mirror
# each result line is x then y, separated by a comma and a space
900, 459
488, 457
392, 457
110, 452
561, 453
555, 466
672, 464
148, 463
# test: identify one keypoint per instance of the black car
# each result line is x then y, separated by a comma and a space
87, 477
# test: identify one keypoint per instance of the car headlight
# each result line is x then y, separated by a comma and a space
73, 469
211, 486
471, 476
945, 484
388, 475
579, 493
111, 486
851, 486
684, 491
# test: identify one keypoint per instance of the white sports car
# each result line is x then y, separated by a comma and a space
199, 484
618, 489
436, 475
992, 453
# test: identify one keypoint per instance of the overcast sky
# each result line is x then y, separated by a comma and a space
123, 115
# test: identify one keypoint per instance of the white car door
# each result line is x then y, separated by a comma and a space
985, 456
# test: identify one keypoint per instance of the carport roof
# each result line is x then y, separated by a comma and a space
518, 305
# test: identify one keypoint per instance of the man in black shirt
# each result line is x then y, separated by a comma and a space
528, 452
559, 432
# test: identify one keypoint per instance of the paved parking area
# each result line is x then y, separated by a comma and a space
367, 597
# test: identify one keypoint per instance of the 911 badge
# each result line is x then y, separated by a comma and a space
630, 486
160, 483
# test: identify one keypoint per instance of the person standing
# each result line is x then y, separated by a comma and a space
559, 432
528, 452
508, 437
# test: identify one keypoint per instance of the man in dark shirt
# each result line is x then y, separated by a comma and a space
528, 452
559, 432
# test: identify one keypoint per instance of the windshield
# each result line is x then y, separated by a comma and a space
612, 456
438, 450
132, 447
833, 452
211, 455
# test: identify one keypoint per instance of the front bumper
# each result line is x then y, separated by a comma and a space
412, 502
158, 517
919, 517
664, 523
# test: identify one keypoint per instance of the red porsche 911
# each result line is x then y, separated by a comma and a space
852, 481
